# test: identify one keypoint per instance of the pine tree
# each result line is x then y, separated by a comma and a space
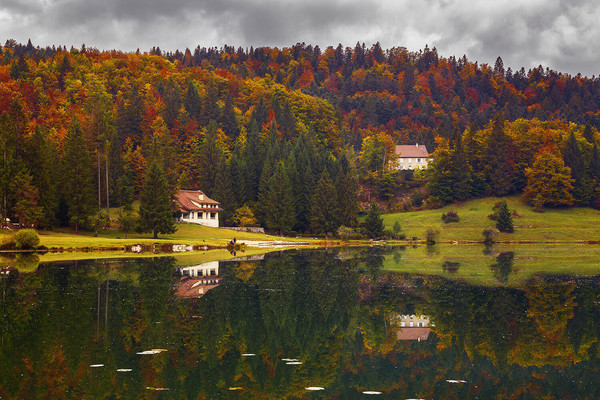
278, 206
498, 170
156, 206
210, 159
324, 206
347, 193
77, 189
573, 158
374, 223
504, 222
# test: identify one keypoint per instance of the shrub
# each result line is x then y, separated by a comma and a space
26, 239
488, 236
431, 235
347, 233
450, 216
8, 242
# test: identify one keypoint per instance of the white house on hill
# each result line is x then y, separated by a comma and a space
412, 156
197, 208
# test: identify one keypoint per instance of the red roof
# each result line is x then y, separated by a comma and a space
413, 334
195, 200
412, 150
196, 287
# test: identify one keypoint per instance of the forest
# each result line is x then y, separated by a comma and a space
297, 139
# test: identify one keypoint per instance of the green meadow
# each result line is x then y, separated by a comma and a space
572, 225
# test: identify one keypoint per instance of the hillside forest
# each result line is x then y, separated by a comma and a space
298, 139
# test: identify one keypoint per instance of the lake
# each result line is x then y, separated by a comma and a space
347, 323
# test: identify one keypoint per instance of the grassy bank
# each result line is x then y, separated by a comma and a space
186, 234
573, 225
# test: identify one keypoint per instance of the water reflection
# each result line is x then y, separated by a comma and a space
298, 324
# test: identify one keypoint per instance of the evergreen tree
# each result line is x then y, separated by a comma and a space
347, 193
77, 189
573, 158
374, 223
193, 102
461, 170
210, 159
324, 206
156, 206
210, 108
40, 159
504, 222
498, 170
229, 119
278, 205
253, 160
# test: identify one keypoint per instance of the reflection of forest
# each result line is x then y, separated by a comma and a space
334, 311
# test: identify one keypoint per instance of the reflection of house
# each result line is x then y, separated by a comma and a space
412, 156
413, 327
197, 208
198, 279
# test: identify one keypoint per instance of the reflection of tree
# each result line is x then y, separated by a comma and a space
503, 266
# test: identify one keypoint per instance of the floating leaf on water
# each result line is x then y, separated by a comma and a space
314, 388
236, 388
156, 388
96, 365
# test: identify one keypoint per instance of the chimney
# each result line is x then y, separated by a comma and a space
417, 145
201, 197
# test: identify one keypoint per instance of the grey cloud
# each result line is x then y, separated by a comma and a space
561, 34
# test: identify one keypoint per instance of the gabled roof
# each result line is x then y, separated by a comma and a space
191, 200
412, 150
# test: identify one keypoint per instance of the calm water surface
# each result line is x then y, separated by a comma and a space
295, 325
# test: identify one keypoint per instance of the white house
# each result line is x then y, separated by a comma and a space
412, 156
197, 208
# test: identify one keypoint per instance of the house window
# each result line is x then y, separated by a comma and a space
212, 215
418, 160
185, 216
200, 215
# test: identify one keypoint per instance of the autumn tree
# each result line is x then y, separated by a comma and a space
549, 182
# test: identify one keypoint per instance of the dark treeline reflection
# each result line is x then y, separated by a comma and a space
297, 319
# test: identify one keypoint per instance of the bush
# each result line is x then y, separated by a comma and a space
26, 239
450, 216
346, 233
488, 236
431, 235
8, 242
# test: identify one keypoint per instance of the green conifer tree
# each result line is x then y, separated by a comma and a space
77, 185
373, 224
156, 206
324, 206
504, 222
278, 206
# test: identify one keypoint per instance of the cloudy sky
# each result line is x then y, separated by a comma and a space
560, 34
